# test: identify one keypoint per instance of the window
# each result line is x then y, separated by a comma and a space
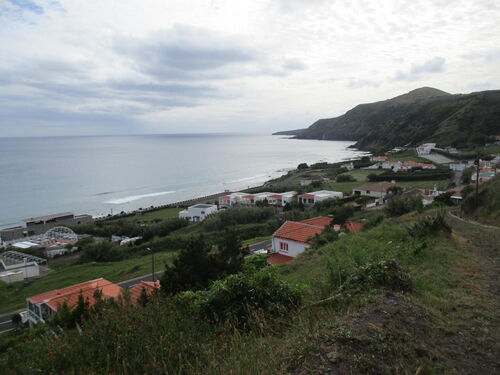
283, 246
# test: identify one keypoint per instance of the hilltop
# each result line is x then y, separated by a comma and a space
422, 115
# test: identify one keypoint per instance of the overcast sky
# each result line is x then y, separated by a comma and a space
81, 67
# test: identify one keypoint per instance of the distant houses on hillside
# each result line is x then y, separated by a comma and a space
246, 199
198, 212
309, 199
398, 166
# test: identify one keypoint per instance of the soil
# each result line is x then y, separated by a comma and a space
398, 335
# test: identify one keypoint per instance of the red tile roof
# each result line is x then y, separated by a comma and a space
295, 231
136, 290
306, 195
71, 293
352, 226
249, 196
319, 221
279, 259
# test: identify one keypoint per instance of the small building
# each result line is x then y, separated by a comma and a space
428, 195
44, 305
198, 212
378, 158
281, 199
457, 166
293, 237
376, 190
485, 175
348, 166
309, 199
426, 148
231, 199
16, 266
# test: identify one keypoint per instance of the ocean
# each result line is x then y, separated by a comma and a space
103, 174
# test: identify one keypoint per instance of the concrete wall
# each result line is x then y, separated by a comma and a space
294, 248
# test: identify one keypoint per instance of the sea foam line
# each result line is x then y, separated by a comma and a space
246, 178
132, 198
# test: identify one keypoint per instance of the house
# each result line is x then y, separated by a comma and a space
377, 190
198, 212
309, 199
451, 150
484, 175
16, 266
348, 166
231, 199
281, 199
378, 158
394, 165
457, 166
428, 195
426, 148
149, 287
293, 237
44, 305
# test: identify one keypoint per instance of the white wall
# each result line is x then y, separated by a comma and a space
294, 248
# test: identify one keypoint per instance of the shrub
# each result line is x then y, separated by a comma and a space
400, 205
373, 221
386, 274
238, 297
302, 166
429, 224
345, 178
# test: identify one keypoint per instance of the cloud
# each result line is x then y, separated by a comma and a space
434, 65
27, 5
360, 83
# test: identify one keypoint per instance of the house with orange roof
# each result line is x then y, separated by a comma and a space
44, 305
148, 286
376, 190
294, 237
281, 199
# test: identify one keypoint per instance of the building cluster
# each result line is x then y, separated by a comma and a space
398, 166
245, 199
42, 306
38, 225
16, 266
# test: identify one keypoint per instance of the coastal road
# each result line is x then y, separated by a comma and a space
6, 319
259, 245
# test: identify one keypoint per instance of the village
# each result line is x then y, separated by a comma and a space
363, 186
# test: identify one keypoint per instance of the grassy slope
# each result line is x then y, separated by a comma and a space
13, 295
160, 214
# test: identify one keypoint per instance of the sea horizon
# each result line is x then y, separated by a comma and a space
104, 174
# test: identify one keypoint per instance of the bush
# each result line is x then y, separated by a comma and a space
238, 297
429, 224
104, 251
386, 274
345, 178
373, 221
302, 166
400, 205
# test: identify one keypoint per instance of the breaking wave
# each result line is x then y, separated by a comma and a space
132, 198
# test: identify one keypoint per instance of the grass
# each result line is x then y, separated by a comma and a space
407, 156
160, 214
13, 295
361, 175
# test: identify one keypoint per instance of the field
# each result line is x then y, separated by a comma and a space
62, 275
160, 214
407, 156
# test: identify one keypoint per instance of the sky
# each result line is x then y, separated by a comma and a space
79, 67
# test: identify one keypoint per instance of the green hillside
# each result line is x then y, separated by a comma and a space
422, 115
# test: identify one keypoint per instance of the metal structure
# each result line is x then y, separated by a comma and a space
60, 234
14, 257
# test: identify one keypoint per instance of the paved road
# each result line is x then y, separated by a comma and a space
6, 319
260, 245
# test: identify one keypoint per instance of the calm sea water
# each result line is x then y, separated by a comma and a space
97, 175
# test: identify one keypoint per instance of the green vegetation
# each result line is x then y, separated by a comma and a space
422, 115
150, 216
488, 202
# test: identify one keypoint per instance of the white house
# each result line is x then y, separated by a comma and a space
377, 190
378, 158
11, 272
426, 148
231, 199
198, 212
311, 198
348, 166
457, 166
309, 180
293, 238
281, 199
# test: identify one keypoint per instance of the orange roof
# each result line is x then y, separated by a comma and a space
225, 197
279, 259
306, 195
319, 221
295, 231
249, 196
136, 290
352, 226
71, 293
275, 196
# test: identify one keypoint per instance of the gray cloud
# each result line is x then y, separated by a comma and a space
434, 65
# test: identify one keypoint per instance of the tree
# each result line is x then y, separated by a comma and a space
345, 178
395, 190
444, 198
302, 166
231, 254
17, 321
143, 299
194, 268
341, 214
